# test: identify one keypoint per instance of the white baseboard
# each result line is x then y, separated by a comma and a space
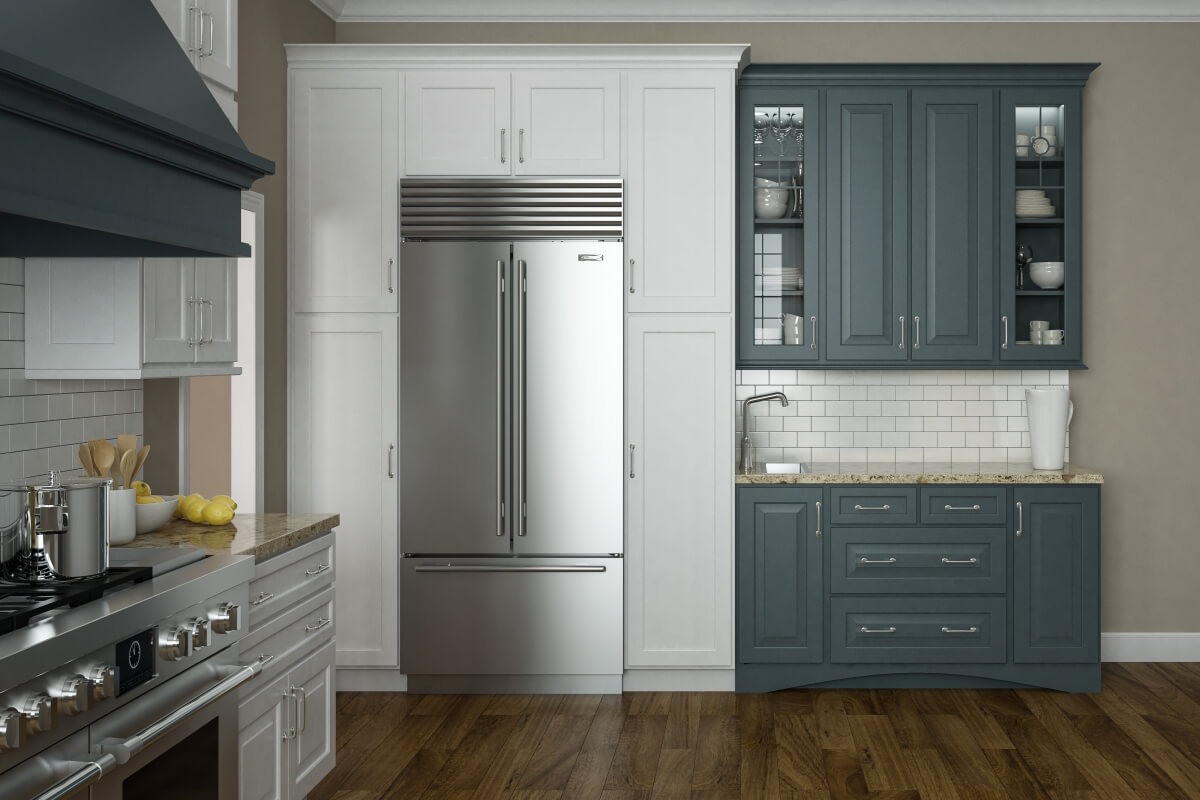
1150, 647
678, 680
371, 680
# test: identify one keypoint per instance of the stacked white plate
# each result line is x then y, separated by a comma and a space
1034, 203
787, 278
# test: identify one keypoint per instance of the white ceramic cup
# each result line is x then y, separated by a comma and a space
1039, 325
1052, 336
1023, 151
1022, 140
793, 328
1035, 337
1047, 131
122, 519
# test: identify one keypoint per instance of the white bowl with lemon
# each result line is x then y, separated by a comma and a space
154, 511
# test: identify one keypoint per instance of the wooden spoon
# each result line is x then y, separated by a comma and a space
103, 455
126, 443
141, 459
128, 460
85, 458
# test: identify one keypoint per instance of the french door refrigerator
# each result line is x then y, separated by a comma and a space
511, 453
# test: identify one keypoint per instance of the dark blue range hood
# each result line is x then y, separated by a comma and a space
110, 143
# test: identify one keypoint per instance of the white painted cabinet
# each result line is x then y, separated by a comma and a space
679, 499
343, 456
525, 122
207, 31
679, 235
345, 140
130, 318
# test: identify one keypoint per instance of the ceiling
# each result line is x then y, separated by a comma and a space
761, 10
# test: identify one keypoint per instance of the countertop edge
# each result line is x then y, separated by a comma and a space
1070, 475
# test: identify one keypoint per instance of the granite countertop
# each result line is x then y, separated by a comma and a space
931, 473
258, 535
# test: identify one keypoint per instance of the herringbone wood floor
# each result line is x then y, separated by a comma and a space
1138, 738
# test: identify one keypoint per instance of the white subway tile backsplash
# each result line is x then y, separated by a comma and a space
865, 417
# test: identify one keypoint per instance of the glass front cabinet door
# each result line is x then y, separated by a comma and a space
777, 199
1040, 226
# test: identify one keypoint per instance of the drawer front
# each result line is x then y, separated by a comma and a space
873, 505
919, 630
964, 505
294, 633
283, 581
918, 561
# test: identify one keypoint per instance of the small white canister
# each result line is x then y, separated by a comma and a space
1049, 410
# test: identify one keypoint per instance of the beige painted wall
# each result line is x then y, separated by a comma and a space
209, 467
1136, 416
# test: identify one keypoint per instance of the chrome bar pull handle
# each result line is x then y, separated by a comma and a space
262, 598
865, 560
901, 333
503, 157
321, 623
884, 507
818, 518
631, 447
196, 21
971, 629
590, 257
521, 145
204, 301
391, 286
210, 36
916, 332
1020, 520
962, 508
317, 570
391, 451
971, 560
1004, 341
290, 727
632, 264
196, 338
865, 629
812, 345
502, 432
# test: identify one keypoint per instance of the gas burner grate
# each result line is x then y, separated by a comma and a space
21, 603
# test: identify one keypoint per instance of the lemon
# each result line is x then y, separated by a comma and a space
179, 506
155, 499
142, 488
216, 513
142, 501
227, 500
195, 511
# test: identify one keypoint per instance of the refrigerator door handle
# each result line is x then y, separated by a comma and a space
519, 417
500, 397
486, 568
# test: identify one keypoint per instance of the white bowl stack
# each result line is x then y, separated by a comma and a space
1034, 203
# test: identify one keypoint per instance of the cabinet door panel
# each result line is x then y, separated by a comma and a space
178, 14
171, 325
1056, 587
779, 583
216, 284
344, 420
263, 721
679, 191
457, 123
867, 234
314, 686
679, 528
953, 224
344, 185
568, 122
217, 60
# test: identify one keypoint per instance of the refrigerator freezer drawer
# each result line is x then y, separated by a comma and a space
529, 616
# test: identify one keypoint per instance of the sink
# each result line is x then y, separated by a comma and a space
783, 468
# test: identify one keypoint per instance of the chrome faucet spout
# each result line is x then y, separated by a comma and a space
747, 458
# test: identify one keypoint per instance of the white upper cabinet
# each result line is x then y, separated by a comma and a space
344, 186
524, 122
679, 243
207, 31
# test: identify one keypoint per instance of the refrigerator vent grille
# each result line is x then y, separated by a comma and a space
571, 208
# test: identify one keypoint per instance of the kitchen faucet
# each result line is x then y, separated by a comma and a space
747, 444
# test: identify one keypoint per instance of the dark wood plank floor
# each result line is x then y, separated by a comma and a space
1138, 738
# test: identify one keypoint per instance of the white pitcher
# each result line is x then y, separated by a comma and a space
1050, 410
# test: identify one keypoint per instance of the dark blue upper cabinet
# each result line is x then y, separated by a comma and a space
867, 225
953, 246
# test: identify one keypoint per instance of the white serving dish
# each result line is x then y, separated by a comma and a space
152, 516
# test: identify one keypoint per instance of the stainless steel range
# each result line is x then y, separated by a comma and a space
125, 686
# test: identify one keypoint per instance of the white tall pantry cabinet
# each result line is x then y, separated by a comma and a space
662, 117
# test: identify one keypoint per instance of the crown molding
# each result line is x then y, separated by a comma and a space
528, 11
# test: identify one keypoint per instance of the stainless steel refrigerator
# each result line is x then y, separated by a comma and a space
511, 443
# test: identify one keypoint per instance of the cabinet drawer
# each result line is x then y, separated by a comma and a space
280, 582
964, 505
919, 630
918, 560
873, 505
294, 633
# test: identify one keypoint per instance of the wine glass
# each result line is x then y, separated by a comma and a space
1024, 256
761, 123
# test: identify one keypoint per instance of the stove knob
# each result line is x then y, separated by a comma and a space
226, 619
104, 681
75, 695
198, 628
176, 644
39, 713
10, 729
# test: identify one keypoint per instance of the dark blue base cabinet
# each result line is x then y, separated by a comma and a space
928, 586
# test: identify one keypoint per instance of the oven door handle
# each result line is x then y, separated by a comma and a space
116, 751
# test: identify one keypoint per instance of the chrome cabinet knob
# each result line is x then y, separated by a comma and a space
176, 644
226, 619
38, 711
104, 681
75, 695
198, 628
10, 729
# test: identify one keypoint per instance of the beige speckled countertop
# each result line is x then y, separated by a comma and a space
258, 535
932, 473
